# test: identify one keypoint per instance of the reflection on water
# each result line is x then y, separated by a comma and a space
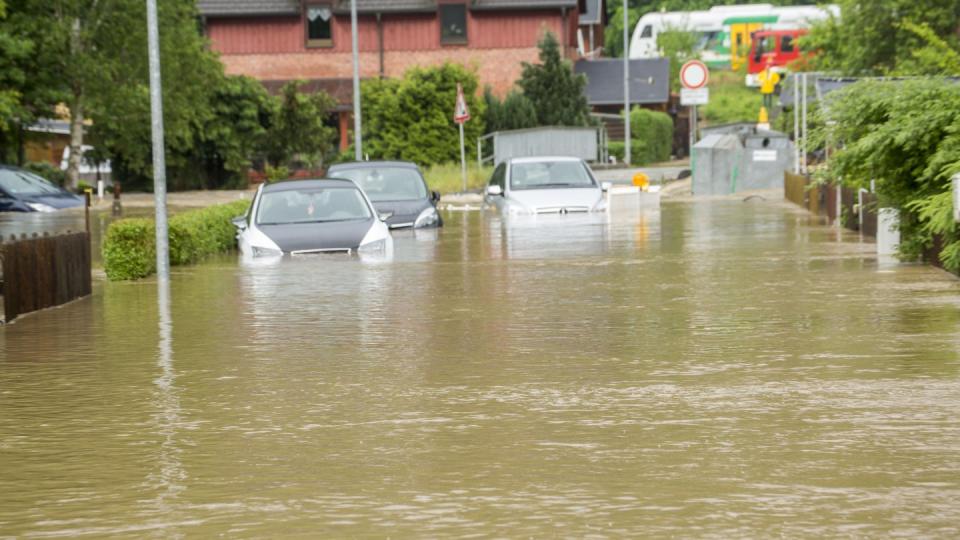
718, 369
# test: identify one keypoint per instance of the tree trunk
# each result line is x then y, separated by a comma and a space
76, 113
76, 142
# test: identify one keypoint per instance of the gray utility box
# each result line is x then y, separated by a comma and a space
725, 163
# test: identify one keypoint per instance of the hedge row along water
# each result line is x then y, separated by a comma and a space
130, 251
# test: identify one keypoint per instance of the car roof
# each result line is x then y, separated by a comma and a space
368, 164
539, 159
290, 185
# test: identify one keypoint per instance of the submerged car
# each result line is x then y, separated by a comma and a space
544, 185
396, 188
311, 216
23, 191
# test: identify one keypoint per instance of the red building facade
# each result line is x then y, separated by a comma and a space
280, 40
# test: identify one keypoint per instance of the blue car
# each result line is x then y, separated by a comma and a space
23, 191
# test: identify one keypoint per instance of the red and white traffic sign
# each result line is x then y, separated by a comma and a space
694, 74
461, 114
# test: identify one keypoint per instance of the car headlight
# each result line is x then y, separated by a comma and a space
40, 207
377, 246
427, 218
266, 252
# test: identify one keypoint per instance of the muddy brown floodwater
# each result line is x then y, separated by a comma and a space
713, 369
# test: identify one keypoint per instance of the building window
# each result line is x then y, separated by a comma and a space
319, 26
453, 23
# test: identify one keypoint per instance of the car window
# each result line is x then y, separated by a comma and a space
17, 182
312, 206
499, 175
549, 174
386, 183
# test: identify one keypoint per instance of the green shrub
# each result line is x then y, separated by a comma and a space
655, 130
48, 171
448, 178
637, 148
129, 249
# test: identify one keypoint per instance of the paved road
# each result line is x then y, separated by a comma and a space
656, 174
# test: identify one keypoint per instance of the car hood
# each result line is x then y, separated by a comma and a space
332, 235
553, 200
403, 211
55, 200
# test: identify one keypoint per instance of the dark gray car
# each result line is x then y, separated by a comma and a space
396, 188
23, 191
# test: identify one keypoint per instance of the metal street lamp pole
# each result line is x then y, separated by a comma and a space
626, 85
156, 129
357, 123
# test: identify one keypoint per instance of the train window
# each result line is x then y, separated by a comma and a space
647, 31
786, 44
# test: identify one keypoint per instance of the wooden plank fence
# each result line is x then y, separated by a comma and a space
857, 212
44, 271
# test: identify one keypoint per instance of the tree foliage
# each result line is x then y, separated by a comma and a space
412, 118
516, 111
557, 93
298, 126
904, 135
872, 38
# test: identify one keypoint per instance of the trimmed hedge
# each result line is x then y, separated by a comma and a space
651, 138
129, 248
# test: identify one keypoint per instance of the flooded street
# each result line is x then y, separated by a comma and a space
711, 369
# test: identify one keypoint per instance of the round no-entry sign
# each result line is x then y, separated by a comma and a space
694, 74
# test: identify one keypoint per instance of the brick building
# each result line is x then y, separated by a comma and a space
280, 40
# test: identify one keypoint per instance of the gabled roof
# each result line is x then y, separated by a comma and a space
522, 4
248, 7
592, 12
649, 80
228, 8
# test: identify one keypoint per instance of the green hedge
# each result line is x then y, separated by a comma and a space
655, 130
129, 249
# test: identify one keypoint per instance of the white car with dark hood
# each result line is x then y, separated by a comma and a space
544, 185
312, 216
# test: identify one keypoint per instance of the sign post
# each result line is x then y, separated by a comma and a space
694, 76
460, 115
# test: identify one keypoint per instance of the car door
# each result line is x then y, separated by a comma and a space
497, 179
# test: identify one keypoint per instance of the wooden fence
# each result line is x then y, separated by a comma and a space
44, 271
856, 210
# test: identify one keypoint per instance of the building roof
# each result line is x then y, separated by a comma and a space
248, 7
649, 80
592, 12
522, 4
228, 8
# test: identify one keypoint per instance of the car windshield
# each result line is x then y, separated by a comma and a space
386, 183
313, 205
15, 182
549, 174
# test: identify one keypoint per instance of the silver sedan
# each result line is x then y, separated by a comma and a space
544, 185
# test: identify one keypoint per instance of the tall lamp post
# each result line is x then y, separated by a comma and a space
156, 131
357, 122
626, 85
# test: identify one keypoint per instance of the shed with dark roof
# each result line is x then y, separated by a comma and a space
649, 81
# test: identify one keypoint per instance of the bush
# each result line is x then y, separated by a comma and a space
447, 178
129, 249
655, 130
48, 171
615, 149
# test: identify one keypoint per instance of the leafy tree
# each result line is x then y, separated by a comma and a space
557, 93
905, 135
935, 57
870, 39
412, 118
516, 111
678, 47
654, 131
298, 126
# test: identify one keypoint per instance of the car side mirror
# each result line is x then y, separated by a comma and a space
385, 216
494, 189
239, 222
435, 196
605, 186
